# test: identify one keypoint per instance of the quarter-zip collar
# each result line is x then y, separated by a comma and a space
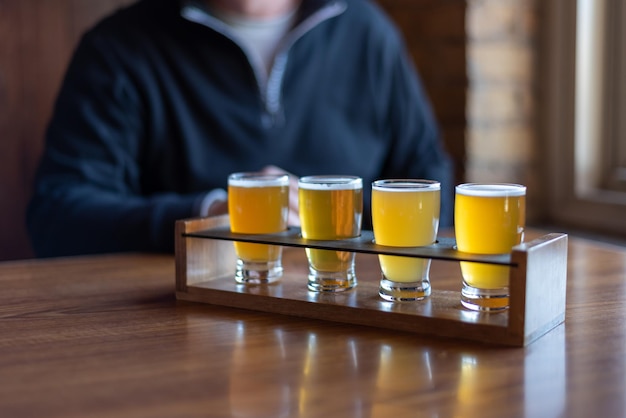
311, 14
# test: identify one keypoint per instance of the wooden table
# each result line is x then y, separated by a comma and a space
104, 336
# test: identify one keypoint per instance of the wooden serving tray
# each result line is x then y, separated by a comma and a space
205, 261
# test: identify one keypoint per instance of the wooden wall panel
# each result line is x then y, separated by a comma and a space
37, 38
14, 186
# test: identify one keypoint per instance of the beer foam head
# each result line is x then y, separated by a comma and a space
257, 180
406, 185
491, 189
330, 182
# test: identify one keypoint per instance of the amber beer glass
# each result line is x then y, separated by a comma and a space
331, 208
405, 213
489, 219
258, 204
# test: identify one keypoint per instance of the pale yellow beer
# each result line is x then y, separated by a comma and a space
489, 219
258, 204
405, 213
331, 208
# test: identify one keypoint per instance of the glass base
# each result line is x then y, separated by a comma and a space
403, 291
485, 300
258, 272
322, 281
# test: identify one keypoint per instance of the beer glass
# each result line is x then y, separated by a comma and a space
405, 213
258, 204
489, 219
331, 208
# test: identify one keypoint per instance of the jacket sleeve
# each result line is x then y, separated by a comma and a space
87, 196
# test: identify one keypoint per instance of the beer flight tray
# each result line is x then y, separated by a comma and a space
205, 264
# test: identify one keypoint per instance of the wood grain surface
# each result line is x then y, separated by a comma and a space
104, 336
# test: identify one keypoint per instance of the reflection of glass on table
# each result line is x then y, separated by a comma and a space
402, 373
252, 392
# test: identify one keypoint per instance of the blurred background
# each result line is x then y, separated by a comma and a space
525, 91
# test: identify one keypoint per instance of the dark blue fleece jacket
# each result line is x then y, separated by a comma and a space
160, 104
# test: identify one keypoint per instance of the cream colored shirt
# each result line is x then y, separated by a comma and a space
259, 37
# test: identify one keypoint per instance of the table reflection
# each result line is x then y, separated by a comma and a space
479, 383
544, 376
485, 381
328, 357
403, 373
255, 389
294, 372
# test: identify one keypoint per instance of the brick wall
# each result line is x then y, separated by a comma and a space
477, 60
501, 132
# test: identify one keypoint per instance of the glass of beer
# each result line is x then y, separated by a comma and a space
489, 219
405, 213
331, 208
258, 204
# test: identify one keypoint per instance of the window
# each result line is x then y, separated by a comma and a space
584, 126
